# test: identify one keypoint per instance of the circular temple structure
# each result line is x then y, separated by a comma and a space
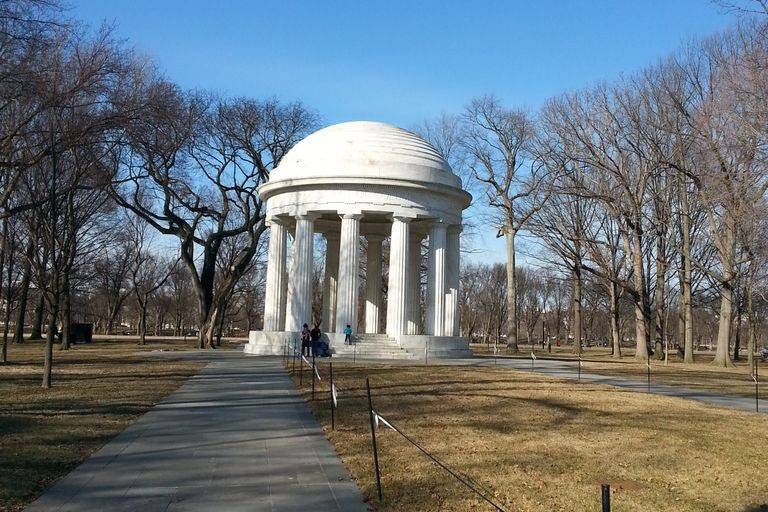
383, 183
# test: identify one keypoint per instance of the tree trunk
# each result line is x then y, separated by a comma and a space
751, 331
737, 337
512, 340
722, 357
21, 311
37, 318
577, 316
49, 340
726, 250
685, 284
661, 271
614, 307
143, 322
3, 255
8, 301
641, 330
66, 314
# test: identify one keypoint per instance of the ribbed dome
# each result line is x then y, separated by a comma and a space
364, 149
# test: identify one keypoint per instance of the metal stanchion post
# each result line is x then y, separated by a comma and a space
605, 492
313, 377
301, 369
373, 438
333, 405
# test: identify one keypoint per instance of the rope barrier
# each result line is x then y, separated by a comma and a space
463, 478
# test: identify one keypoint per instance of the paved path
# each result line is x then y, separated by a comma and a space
569, 370
236, 437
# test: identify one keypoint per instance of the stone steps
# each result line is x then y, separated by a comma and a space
373, 346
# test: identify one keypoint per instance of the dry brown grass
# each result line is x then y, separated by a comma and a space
98, 390
734, 381
542, 444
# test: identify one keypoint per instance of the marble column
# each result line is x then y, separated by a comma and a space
331, 281
452, 281
435, 322
349, 266
414, 283
373, 284
300, 279
282, 319
273, 297
397, 297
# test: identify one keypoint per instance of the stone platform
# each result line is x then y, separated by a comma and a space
369, 346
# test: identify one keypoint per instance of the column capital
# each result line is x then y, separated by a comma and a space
274, 220
307, 216
438, 225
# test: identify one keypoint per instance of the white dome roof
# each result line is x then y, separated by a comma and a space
365, 149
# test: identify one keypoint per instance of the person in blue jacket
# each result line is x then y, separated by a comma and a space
348, 335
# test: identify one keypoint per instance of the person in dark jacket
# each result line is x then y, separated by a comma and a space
305, 340
314, 336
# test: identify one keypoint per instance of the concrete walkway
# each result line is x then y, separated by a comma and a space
236, 437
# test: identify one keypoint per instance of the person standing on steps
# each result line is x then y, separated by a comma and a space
305, 340
348, 335
314, 336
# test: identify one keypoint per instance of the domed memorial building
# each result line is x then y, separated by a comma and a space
372, 180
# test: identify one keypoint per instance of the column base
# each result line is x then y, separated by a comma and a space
270, 343
438, 347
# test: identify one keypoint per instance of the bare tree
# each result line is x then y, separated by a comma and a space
497, 142
229, 147
148, 272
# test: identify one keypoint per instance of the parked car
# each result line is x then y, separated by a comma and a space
764, 354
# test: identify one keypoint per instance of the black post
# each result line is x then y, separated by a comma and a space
373, 438
301, 369
312, 374
333, 405
605, 491
293, 360
648, 366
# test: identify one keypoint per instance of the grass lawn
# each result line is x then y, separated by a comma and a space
701, 375
543, 444
98, 390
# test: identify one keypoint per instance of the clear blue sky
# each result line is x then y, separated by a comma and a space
402, 61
